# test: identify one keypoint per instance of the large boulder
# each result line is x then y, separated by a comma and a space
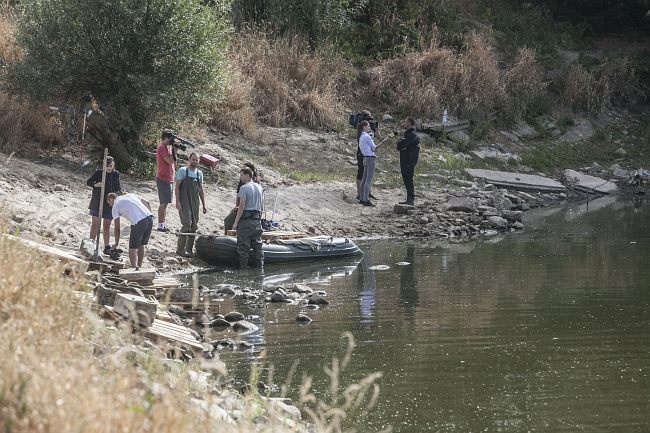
512, 215
497, 222
460, 204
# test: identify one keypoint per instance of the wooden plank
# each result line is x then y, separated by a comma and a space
139, 275
172, 333
81, 266
135, 308
273, 235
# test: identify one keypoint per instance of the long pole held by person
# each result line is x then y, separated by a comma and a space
96, 256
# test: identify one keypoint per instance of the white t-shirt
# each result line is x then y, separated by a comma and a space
130, 207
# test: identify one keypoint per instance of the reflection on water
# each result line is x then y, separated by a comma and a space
546, 330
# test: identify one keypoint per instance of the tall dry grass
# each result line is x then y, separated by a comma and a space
468, 82
64, 370
9, 51
24, 128
279, 82
612, 82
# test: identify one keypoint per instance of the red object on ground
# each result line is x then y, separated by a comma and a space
208, 160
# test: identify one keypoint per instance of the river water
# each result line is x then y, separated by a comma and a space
545, 330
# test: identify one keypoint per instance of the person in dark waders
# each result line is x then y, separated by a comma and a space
189, 190
248, 222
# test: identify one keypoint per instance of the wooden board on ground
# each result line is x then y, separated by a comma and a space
172, 333
105, 263
164, 283
518, 181
135, 308
141, 275
70, 261
275, 235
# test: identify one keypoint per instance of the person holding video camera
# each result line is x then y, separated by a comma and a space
374, 133
165, 160
409, 152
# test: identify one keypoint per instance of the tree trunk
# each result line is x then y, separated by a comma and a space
122, 143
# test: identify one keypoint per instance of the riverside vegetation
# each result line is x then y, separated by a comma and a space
272, 81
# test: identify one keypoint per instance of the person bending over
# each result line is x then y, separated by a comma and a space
138, 212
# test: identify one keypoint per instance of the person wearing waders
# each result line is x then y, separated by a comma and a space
189, 190
248, 222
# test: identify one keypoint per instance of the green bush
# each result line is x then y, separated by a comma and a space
147, 63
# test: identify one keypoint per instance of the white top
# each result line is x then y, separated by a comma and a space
130, 207
366, 145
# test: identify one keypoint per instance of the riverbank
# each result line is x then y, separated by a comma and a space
47, 200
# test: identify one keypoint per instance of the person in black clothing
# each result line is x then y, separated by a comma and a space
409, 151
112, 185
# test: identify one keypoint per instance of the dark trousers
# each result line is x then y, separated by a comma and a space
408, 159
249, 236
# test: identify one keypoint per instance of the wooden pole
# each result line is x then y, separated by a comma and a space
96, 257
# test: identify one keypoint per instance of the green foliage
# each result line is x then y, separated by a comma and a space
147, 62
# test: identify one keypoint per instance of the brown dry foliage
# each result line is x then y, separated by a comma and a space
613, 82
25, 129
522, 84
468, 82
9, 51
282, 83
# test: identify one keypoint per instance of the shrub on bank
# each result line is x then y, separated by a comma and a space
610, 82
468, 82
283, 83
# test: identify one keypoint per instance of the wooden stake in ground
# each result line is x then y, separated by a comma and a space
96, 256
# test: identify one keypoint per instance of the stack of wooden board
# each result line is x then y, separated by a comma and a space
275, 235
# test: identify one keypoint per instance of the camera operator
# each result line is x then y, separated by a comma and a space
409, 152
374, 133
165, 160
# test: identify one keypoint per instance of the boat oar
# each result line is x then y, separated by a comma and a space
96, 257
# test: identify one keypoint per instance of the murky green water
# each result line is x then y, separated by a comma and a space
546, 330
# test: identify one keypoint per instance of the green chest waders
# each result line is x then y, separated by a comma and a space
188, 195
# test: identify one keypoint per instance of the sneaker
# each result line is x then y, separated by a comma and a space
107, 249
367, 203
372, 197
163, 229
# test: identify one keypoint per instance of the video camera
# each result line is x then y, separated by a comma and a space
355, 118
180, 143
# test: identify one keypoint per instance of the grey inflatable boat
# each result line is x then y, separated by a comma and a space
222, 250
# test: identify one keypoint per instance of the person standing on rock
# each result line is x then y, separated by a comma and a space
367, 148
248, 222
112, 185
165, 160
138, 212
409, 152
189, 190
